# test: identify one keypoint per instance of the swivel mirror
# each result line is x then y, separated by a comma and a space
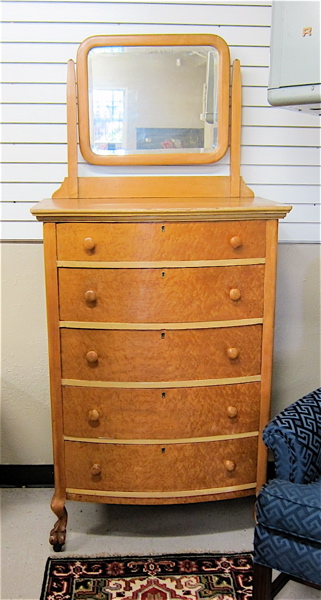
153, 99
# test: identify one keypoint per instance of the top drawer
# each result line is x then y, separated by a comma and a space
157, 241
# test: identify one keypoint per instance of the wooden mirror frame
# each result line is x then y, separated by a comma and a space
154, 40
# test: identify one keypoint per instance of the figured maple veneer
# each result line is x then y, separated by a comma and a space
160, 467
160, 356
140, 295
190, 412
156, 241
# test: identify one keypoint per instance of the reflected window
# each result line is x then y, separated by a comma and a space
108, 124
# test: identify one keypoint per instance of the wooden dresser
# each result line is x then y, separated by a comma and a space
160, 320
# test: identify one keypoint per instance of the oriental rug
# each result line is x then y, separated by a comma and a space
184, 577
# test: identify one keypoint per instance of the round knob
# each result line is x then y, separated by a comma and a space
89, 243
229, 465
231, 412
95, 470
93, 416
92, 356
233, 353
235, 294
236, 241
90, 296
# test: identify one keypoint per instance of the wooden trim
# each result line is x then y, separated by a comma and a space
154, 40
50, 253
158, 326
153, 442
72, 131
235, 143
160, 384
164, 264
176, 494
267, 342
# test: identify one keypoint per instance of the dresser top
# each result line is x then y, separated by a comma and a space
157, 209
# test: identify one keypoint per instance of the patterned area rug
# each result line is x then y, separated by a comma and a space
186, 576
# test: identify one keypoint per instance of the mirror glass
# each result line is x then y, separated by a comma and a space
153, 100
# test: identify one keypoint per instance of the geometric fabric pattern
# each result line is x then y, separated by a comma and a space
288, 530
294, 509
184, 577
290, 555
295, 438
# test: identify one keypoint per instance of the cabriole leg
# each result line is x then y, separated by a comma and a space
57, 536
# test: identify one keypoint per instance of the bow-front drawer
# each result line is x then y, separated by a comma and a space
161, 295
158, 413
160, 467
156, 241
173, 355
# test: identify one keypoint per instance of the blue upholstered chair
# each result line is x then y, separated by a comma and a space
288, 509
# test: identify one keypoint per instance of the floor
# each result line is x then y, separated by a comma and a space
93, 529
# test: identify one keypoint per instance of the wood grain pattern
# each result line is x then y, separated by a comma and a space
156, 295
267, 344
161, 413
155, 356
167, 241
160, 467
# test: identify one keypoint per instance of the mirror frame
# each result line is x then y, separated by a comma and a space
154, 40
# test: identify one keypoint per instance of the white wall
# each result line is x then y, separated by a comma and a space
280, 161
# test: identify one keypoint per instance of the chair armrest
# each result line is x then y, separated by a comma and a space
294, 436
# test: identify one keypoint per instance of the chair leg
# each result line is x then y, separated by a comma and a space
262, 582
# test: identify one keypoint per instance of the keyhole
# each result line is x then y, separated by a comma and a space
163, 394
162, 335
163, 274
163, 227
163, 450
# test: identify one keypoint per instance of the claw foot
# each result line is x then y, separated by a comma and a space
57, 536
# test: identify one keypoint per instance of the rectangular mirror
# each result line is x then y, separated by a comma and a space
153, 99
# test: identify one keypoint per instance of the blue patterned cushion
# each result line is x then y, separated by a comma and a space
290, 555
295, 438
292, 508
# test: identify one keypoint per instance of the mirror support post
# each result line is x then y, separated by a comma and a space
72, 131
235, 139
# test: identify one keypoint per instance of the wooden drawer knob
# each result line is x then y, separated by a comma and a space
229, 465
233, 353
236, 241
93, 416
231, 412
89, 243
90, 296
235, 294
92, 356
95, 470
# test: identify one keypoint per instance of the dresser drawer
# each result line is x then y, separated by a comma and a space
161, 295
161, 356
156, 241
161, 414
159, 467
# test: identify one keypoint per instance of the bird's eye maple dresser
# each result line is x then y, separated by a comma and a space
160, 302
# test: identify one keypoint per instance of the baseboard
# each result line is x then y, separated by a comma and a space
26, 476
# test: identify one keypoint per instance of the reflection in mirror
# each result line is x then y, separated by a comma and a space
153, 99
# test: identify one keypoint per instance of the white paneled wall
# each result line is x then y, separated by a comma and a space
280, 148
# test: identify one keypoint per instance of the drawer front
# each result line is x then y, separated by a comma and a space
161, 356
161, 414
156, 241
161, 295
160, 468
